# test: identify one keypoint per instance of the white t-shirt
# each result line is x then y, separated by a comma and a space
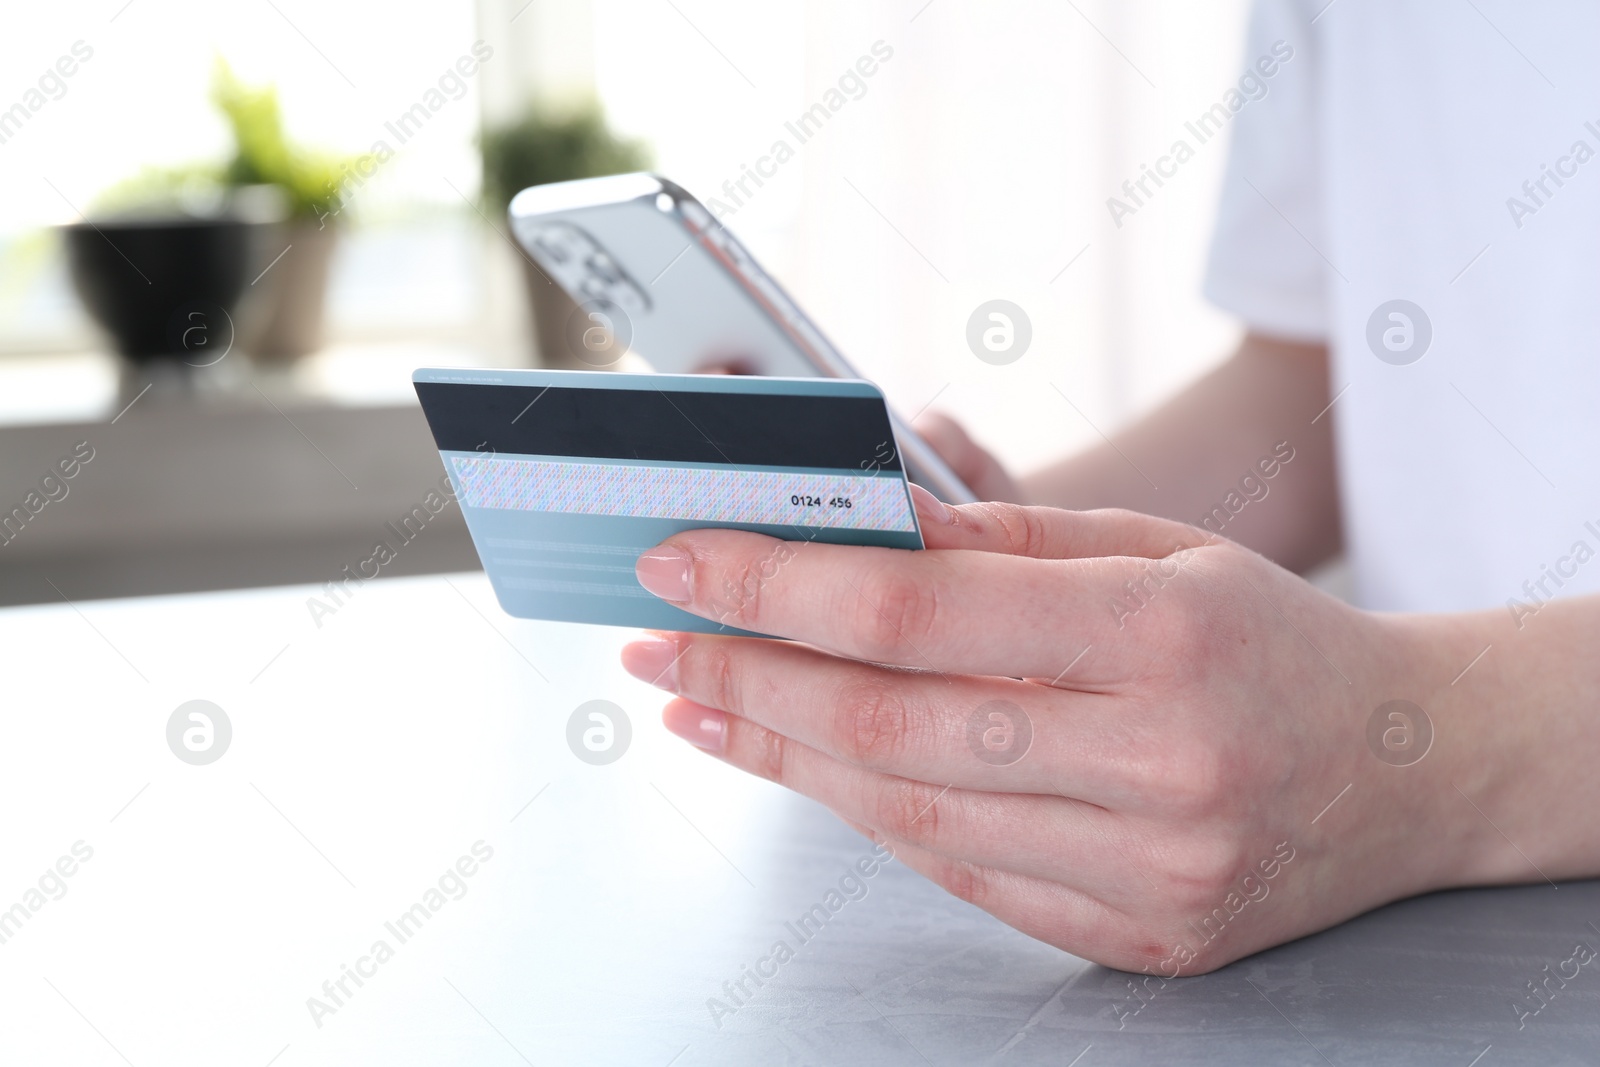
1387, 161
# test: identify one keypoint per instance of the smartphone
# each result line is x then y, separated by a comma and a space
655, 277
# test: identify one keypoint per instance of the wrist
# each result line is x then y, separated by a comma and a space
1502, 794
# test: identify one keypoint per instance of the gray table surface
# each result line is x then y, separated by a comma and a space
375, 745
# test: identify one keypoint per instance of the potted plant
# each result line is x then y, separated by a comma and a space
163, 259
165, 256
545, 143
312, 185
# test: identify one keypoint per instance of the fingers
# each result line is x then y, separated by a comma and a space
1047, 911
972, 612
1068, 916
993, 734
1038, 836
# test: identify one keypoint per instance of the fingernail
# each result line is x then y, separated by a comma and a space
704, 728
653, 660
929, 507
665, 572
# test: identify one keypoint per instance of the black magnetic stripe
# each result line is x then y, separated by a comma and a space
757, 429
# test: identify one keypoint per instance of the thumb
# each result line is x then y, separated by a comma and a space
1050, 533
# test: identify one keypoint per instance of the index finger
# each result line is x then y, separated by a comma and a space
945, 610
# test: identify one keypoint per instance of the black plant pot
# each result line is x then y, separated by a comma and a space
164, 288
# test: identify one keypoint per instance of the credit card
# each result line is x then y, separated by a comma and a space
566, 477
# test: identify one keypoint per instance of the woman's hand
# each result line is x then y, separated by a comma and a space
1120, 735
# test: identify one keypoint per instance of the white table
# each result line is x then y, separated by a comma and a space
369, 755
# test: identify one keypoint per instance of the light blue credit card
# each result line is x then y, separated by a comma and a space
566, 477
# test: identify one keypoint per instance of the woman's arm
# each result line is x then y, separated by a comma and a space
1184, 459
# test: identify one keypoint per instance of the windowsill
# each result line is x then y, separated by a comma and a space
230, 476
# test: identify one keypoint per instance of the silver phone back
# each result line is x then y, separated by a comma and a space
655, 275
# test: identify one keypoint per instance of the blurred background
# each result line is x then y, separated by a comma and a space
328, 179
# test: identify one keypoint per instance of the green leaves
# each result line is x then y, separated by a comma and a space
263, 154
552, 145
